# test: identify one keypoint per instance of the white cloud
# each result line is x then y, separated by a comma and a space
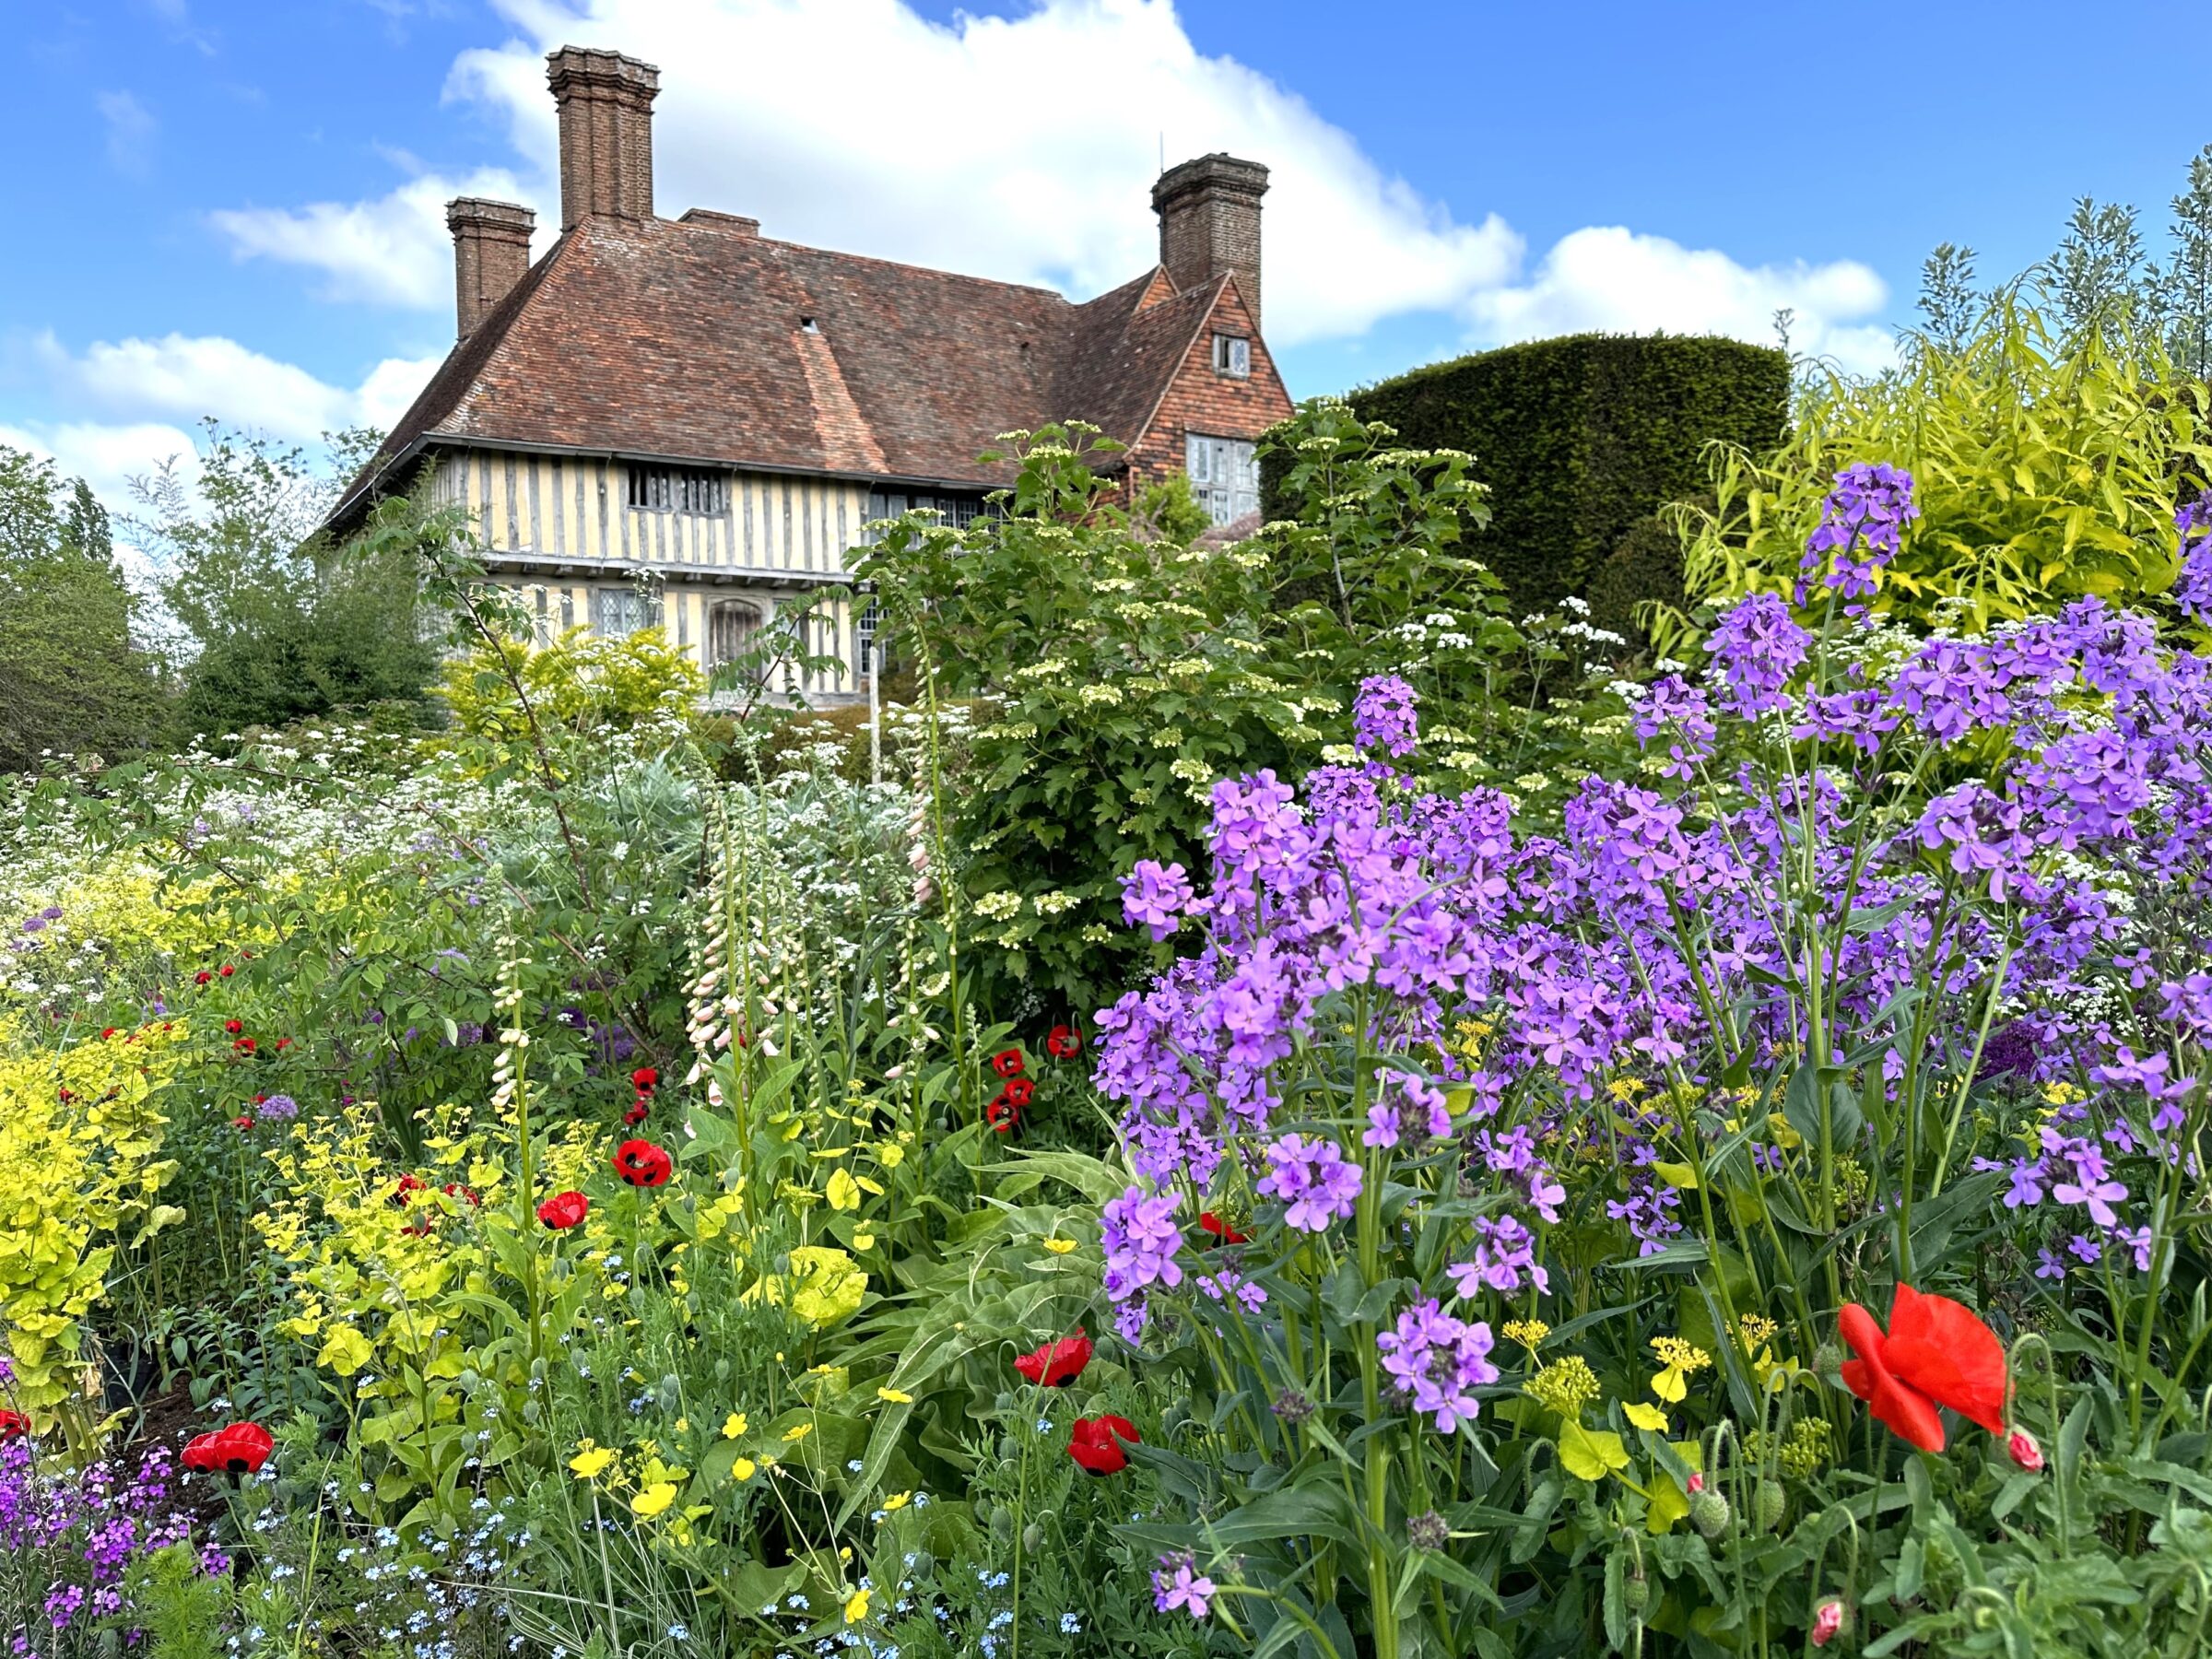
392, 250
187, 377
1612, 278
130, 132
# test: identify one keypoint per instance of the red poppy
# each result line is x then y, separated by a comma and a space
642, 1164
64, 1094
453, 1189
407, 1183
1007, 1063
1096, 1444
228, 971
13, 1426
201, 977
637, 1115
1018, 1091
1936, 1353
645, 1079
564, 1210
283, 1043
1001, 1114
1064, 1043
1056, 1364
241, 1123
1210, 1223
241, 1448
233, 1027
108, 1034
245, 1045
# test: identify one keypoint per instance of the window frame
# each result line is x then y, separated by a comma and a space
1226, 499
693, 491
1227, 348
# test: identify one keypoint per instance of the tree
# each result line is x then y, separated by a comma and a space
1947, 296
2189, 272
72, 680
2098, 275
280, 625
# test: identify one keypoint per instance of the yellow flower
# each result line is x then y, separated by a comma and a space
590, 1461
733, 1427
1528, 1333
856, 1609
745, 1469
1677, 1359
864, 1240
894, 1396
683, 1425
1755, 1331
844, 1192
1646, 1416
1059, 1246
1565, 1386
654, 1499
897, 1500
798, 1431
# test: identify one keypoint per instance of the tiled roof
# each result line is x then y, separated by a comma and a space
690, 340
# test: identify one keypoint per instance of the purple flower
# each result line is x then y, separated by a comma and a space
2137, 1239
277, 1107
2193, 583
2049, 1264
2028, 1176
1176, 1584
1862, 522
1436, 1359
1381, 1125
1382, 715
2084, 1247
1154, 896
1756, 647
1313, 1179
1141, 1239
1505, 1255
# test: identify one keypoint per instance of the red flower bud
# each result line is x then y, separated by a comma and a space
2019, 1445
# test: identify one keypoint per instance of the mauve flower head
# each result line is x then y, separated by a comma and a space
1141, 1239
1861, 525
1155, 896
1437, 1359
279, 1107
1756, 647
1382, 715
2193, 583
1313, 1179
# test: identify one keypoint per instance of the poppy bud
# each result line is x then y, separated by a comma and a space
1768, 1504
228, 971
1636, 1593
1830, 1619
2019, 1445
1032, 1538
1828, 1360
1709, 1514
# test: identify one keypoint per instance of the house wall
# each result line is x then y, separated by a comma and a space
1199, 400
570, 518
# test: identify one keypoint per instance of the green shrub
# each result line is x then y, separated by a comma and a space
2042, 473
1578, 438
1645, 570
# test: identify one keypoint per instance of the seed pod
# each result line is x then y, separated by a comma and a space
1032, 1539
1636, 1594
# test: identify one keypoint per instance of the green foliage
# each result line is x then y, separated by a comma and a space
277, 625
1578, 438
1644, 570
71, 678
1128, 670
2042, 475
583, 681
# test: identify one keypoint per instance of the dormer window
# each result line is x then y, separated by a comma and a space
679, 489
1232, 355
808, 325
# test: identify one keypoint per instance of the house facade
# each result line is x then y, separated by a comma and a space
686, 423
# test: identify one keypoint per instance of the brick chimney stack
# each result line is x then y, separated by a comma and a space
491, 251
605, 102
1209, 223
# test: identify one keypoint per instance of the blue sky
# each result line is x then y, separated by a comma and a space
232, 208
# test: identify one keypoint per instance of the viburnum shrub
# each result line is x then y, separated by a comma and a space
1554, 1222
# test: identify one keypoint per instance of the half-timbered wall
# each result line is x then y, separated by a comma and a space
776, 537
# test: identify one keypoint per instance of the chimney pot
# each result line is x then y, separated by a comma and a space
605, 104
1209, 223
491, 251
